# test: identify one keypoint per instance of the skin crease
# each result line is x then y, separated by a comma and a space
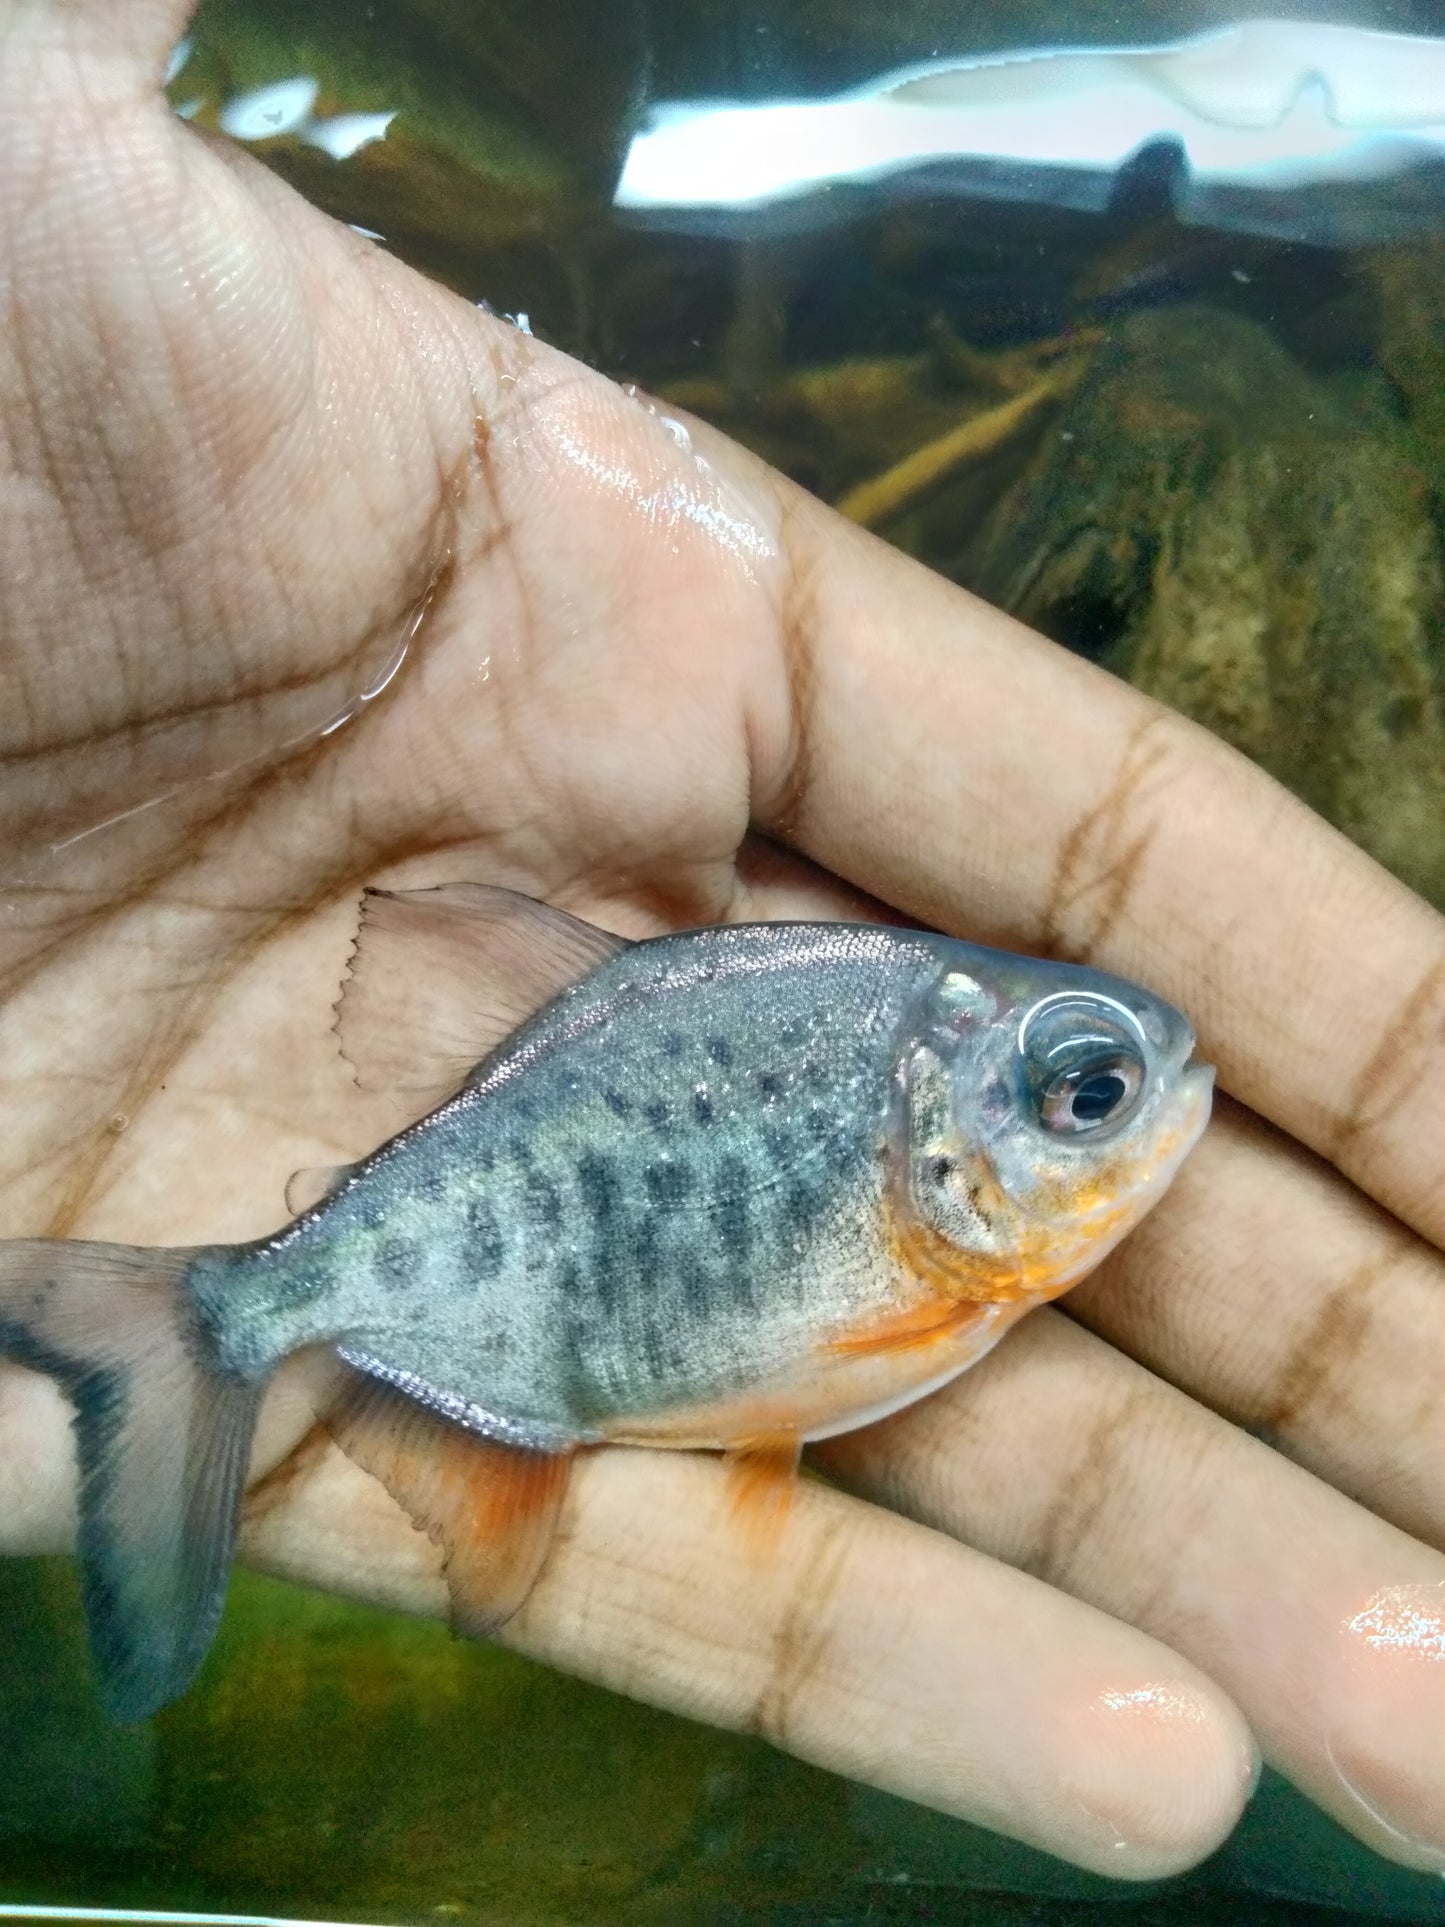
245, 457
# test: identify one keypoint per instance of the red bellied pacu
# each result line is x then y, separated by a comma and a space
734, 1188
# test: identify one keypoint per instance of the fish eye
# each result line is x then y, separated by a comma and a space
1087, 1099
1084, 1064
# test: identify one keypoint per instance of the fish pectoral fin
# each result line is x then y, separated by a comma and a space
763, 1472
437, 978
491, 1506
912, 1329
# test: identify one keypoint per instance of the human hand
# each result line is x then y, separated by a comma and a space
244, 458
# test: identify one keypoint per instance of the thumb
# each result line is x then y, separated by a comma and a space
125, 43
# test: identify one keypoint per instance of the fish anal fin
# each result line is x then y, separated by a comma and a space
915, 1328
439, 977
762, 1475
490, 1505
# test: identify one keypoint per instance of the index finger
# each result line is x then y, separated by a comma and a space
945, 758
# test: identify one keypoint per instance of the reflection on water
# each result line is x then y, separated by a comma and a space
1265, 126
1213, 459
337, 1762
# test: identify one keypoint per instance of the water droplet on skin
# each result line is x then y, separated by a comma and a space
672, 501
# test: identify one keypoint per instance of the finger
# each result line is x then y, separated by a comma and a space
131, 40
1324, 1624
1296, 1308
861, 1642
939, 755
773, 883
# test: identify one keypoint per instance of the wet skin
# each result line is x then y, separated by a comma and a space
240, 450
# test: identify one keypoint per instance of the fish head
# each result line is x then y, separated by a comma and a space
1046, 1108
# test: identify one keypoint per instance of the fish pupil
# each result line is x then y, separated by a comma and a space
1097, 1096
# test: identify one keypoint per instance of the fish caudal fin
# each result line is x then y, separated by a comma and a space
491, 1506
163, 1444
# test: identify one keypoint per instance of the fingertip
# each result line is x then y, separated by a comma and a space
1383, 1741
1153, 1774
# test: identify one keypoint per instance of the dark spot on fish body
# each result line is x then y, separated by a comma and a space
300, 1288
658, 1113
720, 1051
542, 1199
398, 1260
794, 1032
572, 1356
673, 1045
771, 1086
730, 1217
658, 1341
485, 1248
800, 1204
703, 1110
669, 1181
617, 1103
598, 1188
619, 1249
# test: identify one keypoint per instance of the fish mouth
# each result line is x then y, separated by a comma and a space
1197, 1081
1191, 1104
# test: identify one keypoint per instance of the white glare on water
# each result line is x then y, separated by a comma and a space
1265, 105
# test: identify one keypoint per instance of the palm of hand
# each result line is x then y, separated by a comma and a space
246, 460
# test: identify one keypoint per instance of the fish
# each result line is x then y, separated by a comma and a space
735, 1188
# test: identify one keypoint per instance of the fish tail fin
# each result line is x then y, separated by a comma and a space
163, 1439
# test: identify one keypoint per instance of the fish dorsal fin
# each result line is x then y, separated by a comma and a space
439, 977
313, 1184
490, 1505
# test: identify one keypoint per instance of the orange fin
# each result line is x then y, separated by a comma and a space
910, 1330
491, 1506
763, 1472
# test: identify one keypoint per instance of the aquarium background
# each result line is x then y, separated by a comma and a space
1210, 458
